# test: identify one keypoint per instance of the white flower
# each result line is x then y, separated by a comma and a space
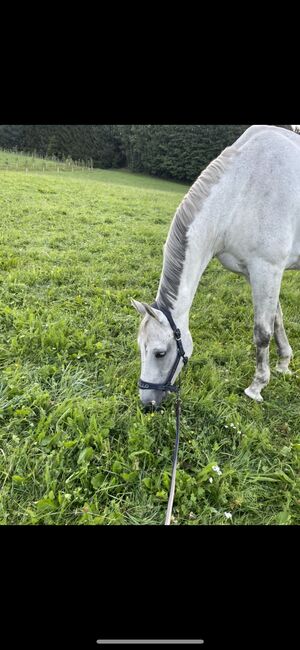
226, 426
216, 468
210, 479
228, 515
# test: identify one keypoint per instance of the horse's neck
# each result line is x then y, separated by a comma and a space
203, 240
198, 255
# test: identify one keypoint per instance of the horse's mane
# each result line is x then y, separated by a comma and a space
189, 208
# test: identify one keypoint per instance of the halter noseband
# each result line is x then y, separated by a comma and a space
167, 386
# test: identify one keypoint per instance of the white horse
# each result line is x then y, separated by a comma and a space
243, 209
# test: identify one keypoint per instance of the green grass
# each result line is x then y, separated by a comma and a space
75, 448
21, 161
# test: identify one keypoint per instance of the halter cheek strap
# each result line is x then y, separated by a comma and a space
167, 386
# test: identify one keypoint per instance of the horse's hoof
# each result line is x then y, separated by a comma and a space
256, 396
283, 371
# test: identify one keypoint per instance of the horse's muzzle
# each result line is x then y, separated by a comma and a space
151, 399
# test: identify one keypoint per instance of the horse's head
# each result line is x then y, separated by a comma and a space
159, 350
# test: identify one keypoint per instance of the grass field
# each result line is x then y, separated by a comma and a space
75, 448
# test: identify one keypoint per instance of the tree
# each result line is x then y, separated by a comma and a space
175, 151
178, 152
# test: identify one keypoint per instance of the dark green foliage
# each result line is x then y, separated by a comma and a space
101, 143
108, 147
11, 136
177, 151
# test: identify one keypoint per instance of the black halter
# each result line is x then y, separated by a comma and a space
167, 386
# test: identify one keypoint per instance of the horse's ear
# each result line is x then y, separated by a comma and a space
138, 306
143, 308
155, 313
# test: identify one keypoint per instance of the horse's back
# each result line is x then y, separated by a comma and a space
272, 131
267, 168
263, 195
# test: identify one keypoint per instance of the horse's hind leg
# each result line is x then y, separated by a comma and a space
284, 349
265, 281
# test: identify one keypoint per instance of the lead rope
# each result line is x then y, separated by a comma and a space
175, 456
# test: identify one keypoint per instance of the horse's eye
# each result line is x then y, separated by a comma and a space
159, 354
